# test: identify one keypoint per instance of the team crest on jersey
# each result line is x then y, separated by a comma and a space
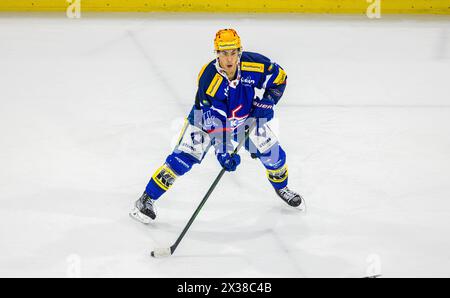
236, 121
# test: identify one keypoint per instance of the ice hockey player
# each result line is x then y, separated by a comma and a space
234, 88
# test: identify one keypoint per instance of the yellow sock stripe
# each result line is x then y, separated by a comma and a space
156, 179
159, 170
278, 170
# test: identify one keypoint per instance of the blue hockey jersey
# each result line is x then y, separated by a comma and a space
223, 105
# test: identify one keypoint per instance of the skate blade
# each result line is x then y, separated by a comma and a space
139, 216
302, 206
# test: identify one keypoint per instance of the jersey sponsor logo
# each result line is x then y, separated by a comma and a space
248, 81
252, 66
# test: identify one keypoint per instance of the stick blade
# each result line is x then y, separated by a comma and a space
161, 252
373, 276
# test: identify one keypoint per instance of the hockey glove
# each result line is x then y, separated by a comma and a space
262, 109
229, 161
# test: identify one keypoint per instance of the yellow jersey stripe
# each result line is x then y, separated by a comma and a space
201, 72
281, 77
214, 86
252, 66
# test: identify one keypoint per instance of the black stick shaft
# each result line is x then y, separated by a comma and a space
210, 190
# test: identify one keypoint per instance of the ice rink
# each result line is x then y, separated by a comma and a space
90, 108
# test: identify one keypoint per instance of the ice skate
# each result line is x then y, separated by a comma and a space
291, 198
144, 209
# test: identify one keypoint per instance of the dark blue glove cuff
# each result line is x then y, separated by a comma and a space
229, 161
274, 94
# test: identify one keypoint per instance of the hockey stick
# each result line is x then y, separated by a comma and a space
165, 252
372, 276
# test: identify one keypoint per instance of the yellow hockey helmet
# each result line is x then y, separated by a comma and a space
227, 39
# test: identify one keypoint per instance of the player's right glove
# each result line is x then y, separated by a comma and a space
262, 109
229, 161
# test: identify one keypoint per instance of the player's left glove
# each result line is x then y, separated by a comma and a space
229, 161
262, 109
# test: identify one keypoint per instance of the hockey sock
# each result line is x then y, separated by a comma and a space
278, 177
161, 181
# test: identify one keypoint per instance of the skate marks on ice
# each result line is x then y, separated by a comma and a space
281, 236
244, 244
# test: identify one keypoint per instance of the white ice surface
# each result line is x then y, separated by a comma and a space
89, 108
